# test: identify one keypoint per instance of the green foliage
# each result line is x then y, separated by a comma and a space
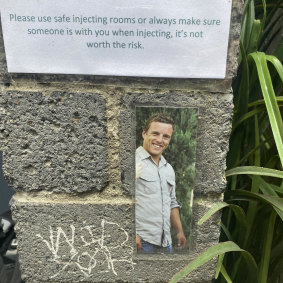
217, 250
253, 209
180, 153
256, 145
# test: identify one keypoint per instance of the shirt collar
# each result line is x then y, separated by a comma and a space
144, 155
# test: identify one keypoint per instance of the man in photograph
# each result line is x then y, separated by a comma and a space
156, 205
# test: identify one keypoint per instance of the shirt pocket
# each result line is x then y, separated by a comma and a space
170, 185
149, 183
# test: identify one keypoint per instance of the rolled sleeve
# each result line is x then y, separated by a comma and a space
174, 202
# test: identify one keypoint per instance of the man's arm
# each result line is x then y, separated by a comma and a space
138, 243
176, 223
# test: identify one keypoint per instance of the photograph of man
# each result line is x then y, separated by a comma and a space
156, 205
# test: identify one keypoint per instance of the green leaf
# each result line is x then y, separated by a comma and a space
264, 142
226, 231
257, 143
238, 211
219, 264
277, 64
254, 37
276, 189
225, 274
254, 170
247, 116
214, 251
265, 187
279, 99
276, 202
211, 211
270, 100
250, 16
278, 52
268, 189
264, 15
279, 212
277, 271
265, 257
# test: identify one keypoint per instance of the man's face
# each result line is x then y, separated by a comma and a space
157, 138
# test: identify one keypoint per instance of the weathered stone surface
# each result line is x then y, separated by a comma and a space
207, 234
3, 66
214, 126
235, 30
150, 271
54, 142
74, 242
95, 242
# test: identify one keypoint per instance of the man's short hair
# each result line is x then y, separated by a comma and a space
158, 117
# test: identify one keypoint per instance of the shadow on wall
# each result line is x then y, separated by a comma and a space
5, 192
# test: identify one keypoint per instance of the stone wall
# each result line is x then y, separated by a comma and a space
68, 147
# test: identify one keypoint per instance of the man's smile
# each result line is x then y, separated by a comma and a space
157, 145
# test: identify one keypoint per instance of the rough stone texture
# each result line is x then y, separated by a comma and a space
207, 234
235, 31
3, 66
214, 126
74, 242
163, 270
94, 242
54, 142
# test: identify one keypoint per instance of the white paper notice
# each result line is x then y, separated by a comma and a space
161, 38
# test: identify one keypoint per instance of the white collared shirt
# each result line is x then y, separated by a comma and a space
155, 195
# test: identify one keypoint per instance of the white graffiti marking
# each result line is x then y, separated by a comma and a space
96, 246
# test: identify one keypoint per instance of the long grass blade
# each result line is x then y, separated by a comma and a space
214, 251
253, 206
276, 189
277, 64
248, 115
265, 258
211, 211
239, 213
270, 100
245, 157
254, 36
249, 196
219, 265
226, 231
255, 170
265, 187
264, 15
277, 272
225, 274
278, 52
279, 99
